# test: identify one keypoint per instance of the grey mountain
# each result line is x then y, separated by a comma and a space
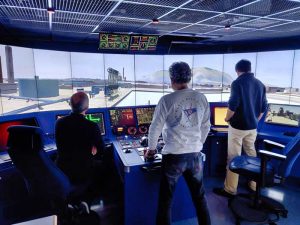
202, 75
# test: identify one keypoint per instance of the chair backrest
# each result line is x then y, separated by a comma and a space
292, 152
42, 176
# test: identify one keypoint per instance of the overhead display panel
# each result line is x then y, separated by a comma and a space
114, 41
143, 43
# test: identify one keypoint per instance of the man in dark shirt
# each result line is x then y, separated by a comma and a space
246, 106
77, 140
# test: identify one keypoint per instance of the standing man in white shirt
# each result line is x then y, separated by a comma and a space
183, 118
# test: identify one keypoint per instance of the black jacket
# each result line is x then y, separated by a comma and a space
75, 136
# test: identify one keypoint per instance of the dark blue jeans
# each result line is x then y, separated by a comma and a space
189, 165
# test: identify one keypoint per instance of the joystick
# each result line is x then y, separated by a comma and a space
144, 141
127, 150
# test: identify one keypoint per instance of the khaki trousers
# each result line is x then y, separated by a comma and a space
237, 139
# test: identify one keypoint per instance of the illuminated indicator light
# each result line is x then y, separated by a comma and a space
51, 10
227, 27
155, 21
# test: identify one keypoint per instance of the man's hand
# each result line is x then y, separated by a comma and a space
149, 153
94, 150
229, 115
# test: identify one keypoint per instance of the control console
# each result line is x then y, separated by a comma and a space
138, 145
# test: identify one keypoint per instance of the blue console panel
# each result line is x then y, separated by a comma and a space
141, 179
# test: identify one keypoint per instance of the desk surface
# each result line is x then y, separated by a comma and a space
50, 220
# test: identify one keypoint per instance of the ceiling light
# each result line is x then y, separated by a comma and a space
51, 10
155, 21
227, 27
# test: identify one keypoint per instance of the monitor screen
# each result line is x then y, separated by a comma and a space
219, 116
7, 124
143, 43
288, 115
114, 41
94, 117
144, 115
122, 117
97, 118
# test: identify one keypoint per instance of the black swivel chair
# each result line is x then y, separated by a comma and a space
44, 181
267, 170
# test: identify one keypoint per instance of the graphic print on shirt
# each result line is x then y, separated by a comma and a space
186, 112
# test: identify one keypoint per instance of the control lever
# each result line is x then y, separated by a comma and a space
144, 141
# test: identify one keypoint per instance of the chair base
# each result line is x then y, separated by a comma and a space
274, 206
243, 208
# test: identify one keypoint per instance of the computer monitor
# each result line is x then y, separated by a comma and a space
7, 124
219, 114
94, 117
287, 115
97, 118
144, 115
122, 117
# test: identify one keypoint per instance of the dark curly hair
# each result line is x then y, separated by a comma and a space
180, 72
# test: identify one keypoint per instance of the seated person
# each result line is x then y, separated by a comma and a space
77, 140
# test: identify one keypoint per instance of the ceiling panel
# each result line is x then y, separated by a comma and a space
287, 27
25, 13
26, 3
261, 23
115, 24
85, 6
217, 5
267, 7
226, 19
72, 27
198, 29
80, 18
290, 15
165, 26
173, 3
140, 11
187, 16
231, 31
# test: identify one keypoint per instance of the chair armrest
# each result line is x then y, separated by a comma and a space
272, 155
275, 144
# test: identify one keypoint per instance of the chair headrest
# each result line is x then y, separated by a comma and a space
25, 139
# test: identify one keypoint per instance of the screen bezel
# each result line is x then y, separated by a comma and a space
280, 124
214, 116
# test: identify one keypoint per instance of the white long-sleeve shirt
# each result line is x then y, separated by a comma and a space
183, 118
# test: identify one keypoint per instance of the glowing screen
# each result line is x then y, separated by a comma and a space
7, 124
94, 117
219, 116
114, 41
122, 117
144, 115
288, 115
143, 43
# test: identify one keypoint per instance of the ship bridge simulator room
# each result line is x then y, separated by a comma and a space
144, 140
